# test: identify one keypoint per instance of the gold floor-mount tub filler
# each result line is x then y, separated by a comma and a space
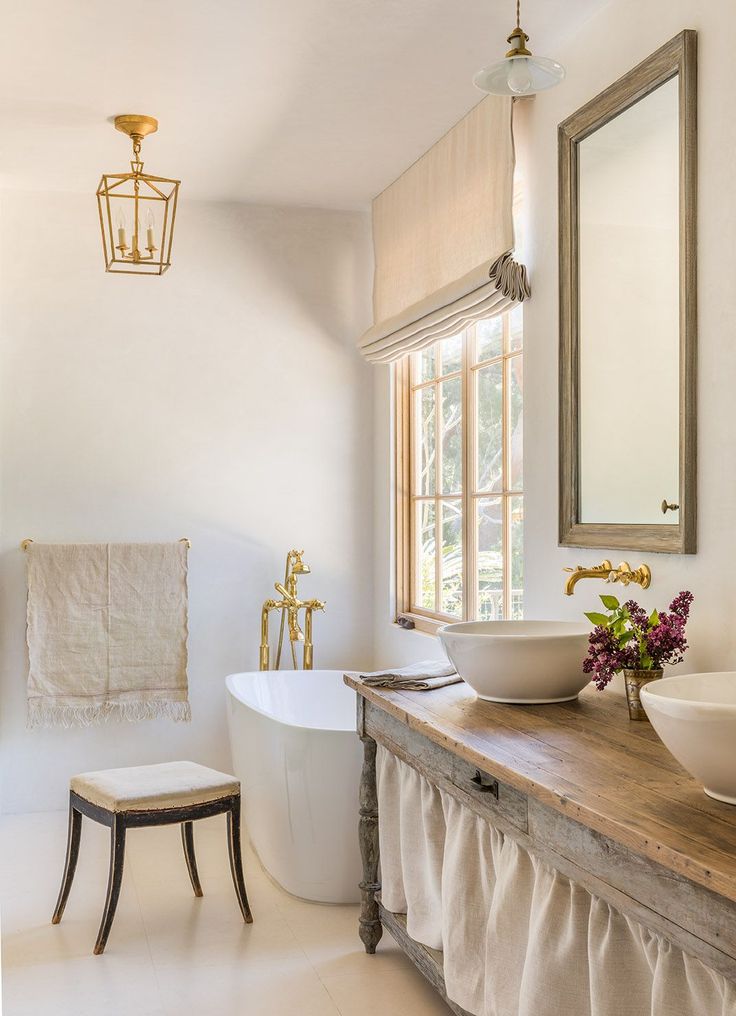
290, 605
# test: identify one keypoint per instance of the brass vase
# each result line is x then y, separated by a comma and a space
635, 681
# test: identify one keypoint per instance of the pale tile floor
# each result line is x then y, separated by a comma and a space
170, 954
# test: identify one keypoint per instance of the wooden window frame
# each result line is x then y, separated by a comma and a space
406, 499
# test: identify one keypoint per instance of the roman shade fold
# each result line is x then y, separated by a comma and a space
443, 235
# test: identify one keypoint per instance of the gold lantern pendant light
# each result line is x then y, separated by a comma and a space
137, 210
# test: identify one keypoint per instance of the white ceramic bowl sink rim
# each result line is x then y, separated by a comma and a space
683, 704
517, 629
695, 716
519, 662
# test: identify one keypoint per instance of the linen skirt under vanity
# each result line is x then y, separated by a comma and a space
518, 938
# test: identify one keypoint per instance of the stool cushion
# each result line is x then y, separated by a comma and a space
147, 788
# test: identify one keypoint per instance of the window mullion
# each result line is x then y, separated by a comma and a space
506, 523
505, 473
437, 488
468, 528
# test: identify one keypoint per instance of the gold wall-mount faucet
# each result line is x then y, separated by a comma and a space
624, 573
290, 605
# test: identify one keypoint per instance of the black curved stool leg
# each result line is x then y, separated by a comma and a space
70, 866
187, 840
115, 879
236, 859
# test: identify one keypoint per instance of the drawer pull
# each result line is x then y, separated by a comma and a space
484, 784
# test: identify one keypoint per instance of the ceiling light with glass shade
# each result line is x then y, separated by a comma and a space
137, 210
519, 73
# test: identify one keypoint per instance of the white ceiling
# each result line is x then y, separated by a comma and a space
303, 102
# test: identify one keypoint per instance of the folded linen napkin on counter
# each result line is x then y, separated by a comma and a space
107, 632
425, 676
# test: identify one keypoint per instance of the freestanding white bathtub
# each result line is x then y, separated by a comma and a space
298, 758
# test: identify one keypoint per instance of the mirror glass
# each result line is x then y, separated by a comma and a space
628, 305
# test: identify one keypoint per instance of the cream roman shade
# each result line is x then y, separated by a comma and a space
442, 237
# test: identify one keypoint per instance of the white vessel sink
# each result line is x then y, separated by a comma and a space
695, 715
519, 661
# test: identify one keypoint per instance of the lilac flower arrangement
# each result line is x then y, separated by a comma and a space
627, 638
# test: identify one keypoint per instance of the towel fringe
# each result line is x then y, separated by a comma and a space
43, 713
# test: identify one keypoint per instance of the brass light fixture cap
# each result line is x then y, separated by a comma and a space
136, 125
518, 40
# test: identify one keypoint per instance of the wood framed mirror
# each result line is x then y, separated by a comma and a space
628, 327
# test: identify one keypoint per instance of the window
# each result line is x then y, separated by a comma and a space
460, 502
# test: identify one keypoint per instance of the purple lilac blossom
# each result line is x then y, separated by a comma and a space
653, 646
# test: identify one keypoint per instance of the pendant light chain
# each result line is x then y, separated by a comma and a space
137, 163
518, 13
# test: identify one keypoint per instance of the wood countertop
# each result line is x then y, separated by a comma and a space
588, 761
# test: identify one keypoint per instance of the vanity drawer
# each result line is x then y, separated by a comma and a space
475, 788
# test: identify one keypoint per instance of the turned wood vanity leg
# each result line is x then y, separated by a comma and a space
370, 924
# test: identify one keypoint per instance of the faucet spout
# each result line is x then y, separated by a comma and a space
600, 571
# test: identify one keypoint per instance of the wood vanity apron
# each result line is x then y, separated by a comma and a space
585, 792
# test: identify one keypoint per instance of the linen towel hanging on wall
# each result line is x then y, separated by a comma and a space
107, 632
442, 237
517, 937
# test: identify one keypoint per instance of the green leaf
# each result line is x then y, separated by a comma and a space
653, 619
626, 637
610, 602
597, 619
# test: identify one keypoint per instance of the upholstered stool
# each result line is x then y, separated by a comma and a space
147, 796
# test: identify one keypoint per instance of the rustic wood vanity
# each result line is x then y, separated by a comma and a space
579, 786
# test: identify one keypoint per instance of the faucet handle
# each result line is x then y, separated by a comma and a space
622, 574
625, 574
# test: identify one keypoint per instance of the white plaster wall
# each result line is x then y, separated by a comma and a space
224, 402
608, 45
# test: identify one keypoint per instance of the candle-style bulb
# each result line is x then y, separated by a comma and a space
150, 224
122, 242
